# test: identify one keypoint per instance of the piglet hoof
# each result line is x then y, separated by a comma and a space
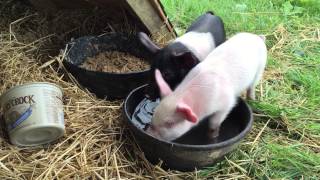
147, 96
213, 135
146, 126
252, 97
251, 94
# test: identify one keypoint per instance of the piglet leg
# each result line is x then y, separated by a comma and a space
215, 123
251, 93
251, 90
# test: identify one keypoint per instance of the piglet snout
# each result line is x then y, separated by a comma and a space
149, 129
146, 127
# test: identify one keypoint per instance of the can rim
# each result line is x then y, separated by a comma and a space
28, 84
59, 127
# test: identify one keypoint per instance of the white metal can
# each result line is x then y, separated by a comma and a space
33, 113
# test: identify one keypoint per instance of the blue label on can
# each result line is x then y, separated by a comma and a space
22, 118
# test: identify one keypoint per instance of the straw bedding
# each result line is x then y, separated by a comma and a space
97, 143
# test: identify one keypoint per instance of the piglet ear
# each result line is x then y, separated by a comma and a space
185, 59
210, 12
164, 88
187, 112
146, 42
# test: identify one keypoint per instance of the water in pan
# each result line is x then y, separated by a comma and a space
143, 113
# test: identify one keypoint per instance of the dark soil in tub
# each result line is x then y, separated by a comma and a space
115, 62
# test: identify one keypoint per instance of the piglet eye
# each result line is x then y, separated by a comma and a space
167, 74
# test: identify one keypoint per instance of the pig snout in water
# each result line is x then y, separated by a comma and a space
176, 59
210, 88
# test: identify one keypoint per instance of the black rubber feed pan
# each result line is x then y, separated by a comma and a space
103, 84
193, 150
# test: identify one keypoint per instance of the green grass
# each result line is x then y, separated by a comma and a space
289, 146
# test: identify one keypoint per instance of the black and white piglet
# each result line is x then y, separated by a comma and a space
176, 59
